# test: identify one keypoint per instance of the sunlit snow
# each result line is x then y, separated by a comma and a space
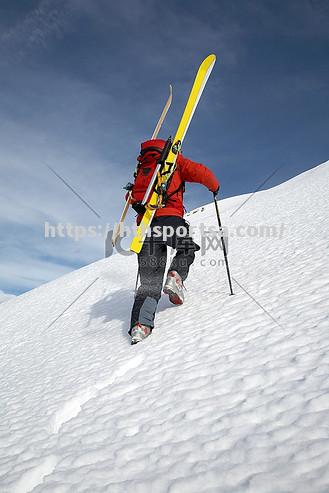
230, 394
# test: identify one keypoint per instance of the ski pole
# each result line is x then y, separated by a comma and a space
136, 285
223, 245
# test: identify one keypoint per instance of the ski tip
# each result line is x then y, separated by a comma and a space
207, 65
210, 59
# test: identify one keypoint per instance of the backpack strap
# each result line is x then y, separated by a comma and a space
166, 195
181, 187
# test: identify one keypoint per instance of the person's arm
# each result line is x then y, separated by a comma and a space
197, 173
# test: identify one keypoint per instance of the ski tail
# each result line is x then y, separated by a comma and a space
118, 227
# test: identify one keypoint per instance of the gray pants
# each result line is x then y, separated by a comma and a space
152, 263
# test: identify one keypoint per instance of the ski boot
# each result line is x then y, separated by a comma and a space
139, 332
174, 288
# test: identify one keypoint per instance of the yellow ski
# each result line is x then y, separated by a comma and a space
169, 166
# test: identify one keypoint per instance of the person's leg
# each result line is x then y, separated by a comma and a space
152, 262
185, 249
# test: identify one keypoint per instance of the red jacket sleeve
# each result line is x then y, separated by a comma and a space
197, 173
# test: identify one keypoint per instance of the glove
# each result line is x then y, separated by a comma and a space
216, 192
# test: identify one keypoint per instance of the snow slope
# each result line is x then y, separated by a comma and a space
228, 395
5, 297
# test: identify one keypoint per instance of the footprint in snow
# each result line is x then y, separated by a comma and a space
35, 475
71, 408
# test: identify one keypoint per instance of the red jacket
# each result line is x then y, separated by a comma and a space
186, 171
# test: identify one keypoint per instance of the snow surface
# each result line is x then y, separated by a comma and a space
224, 396
5, 296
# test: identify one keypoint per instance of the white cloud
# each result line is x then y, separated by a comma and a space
49, 18
57, 134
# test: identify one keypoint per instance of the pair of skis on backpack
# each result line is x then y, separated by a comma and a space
167, 161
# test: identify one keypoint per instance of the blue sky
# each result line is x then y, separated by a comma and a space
83, 82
